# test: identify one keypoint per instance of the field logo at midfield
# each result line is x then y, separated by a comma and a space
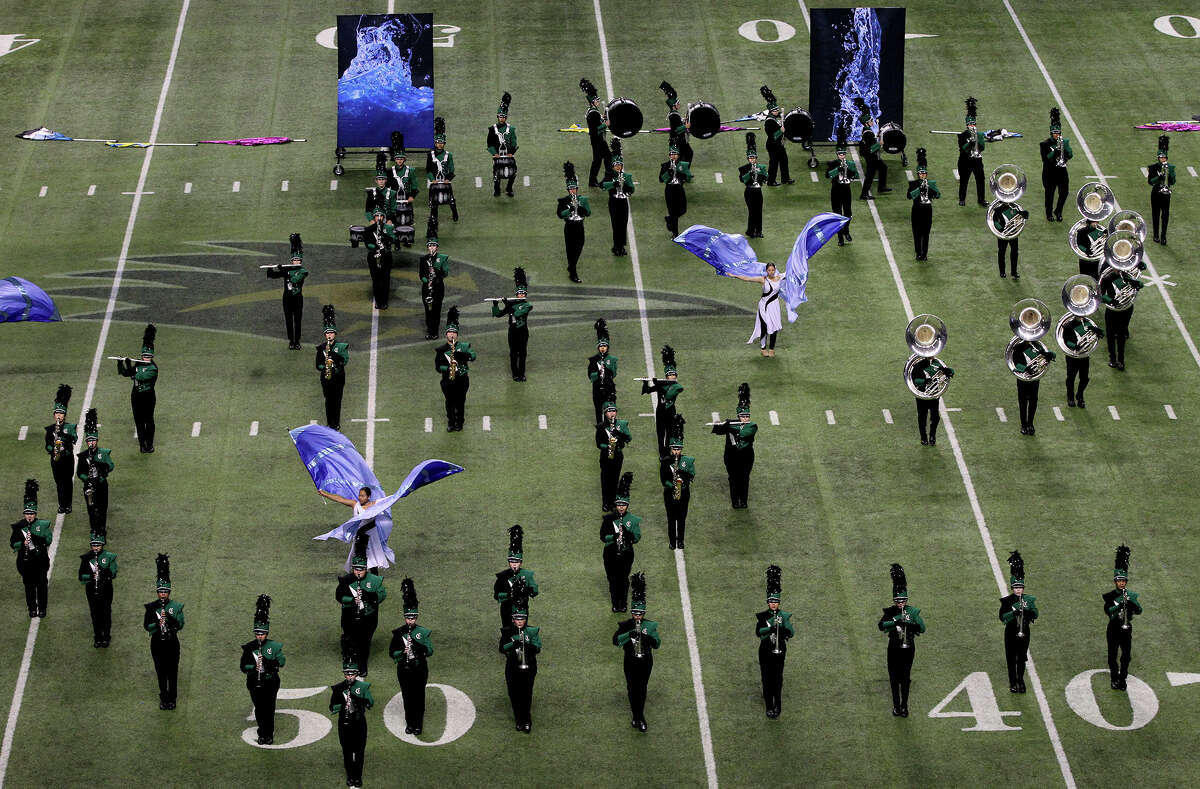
11, 42
443, 36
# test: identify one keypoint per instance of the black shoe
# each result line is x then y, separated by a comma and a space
1024, 430
884, 190
429, 336
1031, 430
519, 378
574, 278
896, 710
1163, 241
528, 727
455, 217
641, 726
924, 441
904, 711
1015, 275
450, 428
62, 510
772, 183
1080, 403
616, 252
933, 441
772, 714
261, 740
162, 705
1058, 217
789, 181
408, 729
67, 510
848, 236
866, 196
622, 252
1020, 686
1070, 403
1115, 684
680, 543
1156, 239
982, 203
1112, 363
841, 243
508, 192
1049, 217
96, 644
1012, 688
671, 545
962, 202
594, 184
104, 643
417, 731
41, 613
496, 192
1003, 275
1120, 366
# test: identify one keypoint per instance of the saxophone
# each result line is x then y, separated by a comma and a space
58, 443
409, 654
924, 192
328, 360
677, 483
574, 217
612, 439
453, 374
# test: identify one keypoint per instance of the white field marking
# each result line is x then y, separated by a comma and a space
952, 409
187, 188
1145, 172
139, 194
428, 424
478, 182
1191, 171
376, 419
716, 415
24, 431
283, 186
887, 417
372, 379
487, 423
909, 173
719, 178
42, 192
525, 180
829, 420
814, 176
14, 709
312, 421
1058, 414
254, 428
804, 13
91, 190
955, 173
541, 421
195, 429
1170, 411
685, 598
1182, 678
333, 185
648, 414
1112, 411
774, 417
1003, 417
237, 186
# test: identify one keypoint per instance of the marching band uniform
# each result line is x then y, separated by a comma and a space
293, 291
1000, 217
773, 628
753, 175
31, 538
260, 662
502, 141
435, 267
331, 360
1161, 178
868, 149
638, 637
677, 127
1027, 391
97, 569
1085, 237
903, 624
520, 645
922, 192
1116, 322
573, 209
360, 593
379, 239
597, 127
776, 152
141, 397
739, 449
619, 531
619, 185
612, 435
602, 369
971, 143
452, 359
518, 323
93, 467
403, 179
381, 198
668, 390
674, 173
506, 580
1077, 367
676, 472
162, 621
1055, 177
1120, 605
927, 409
439, 168
60, 446
841, 172
1016, 628
349, 700
411, 647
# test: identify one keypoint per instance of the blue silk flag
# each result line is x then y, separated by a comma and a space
21, 300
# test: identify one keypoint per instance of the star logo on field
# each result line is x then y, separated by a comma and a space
1160, 279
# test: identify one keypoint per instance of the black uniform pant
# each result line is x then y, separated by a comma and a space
676, 197
381, 278
431, 296
928, 413
1116, 329
922, 222
143, 416
1057, 181
598, 398
738, 464
100, 607
754, 203
618, 212
64, 479
617, 565
610, 472
1027, 399
1118, 641
770, 666
969, 166
520, 690
1090, 267
357, 632
601, 157
637, 677
874, 165
33, 575
97, 506
778, 163
839, 203
899, 663
262, 696
573, 237
1013, 245
1160, 210
455, 393
1016, 650
676, 515
332, 389
518, 342
165, 652
353, 737
433, 208
1077, 367
664, 417
496, 179
293, 311
412, 689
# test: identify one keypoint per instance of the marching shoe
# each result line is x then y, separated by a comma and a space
896, 712
1080, 403
962, 202
1058, 217
772, 714
1070, 403
508, 192
1120, 366
841, 243
1156, 239
1020, 686
848, 236
866, 196
1115, 684
1163, 241
680, 545
162, 705
62, 510
408, 730
1015, 275
528, 727
1112, 362
1049, 217
983, 203
904, 711
1003, 275
1012, 688
68, 510
96, 644
1031, 430
641, 726
924, 441
933, 441
671, 545
789, 181
594, 184
417, 731
885, 190
575, 278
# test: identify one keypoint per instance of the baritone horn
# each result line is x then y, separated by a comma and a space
1081, 297
1007, 183
926, 337
1095, 201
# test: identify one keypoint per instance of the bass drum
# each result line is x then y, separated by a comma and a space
892, 138
703, 120
798, 125
624, 117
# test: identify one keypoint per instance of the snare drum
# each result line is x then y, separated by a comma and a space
504, 166
892, 138
440, 192
404, 214
704, 121
798, 125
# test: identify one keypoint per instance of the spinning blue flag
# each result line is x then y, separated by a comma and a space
816, 232
21, 300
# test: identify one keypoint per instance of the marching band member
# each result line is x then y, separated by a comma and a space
506, 580
520, 645
1001, 214
638, 637
602, 368
439, 169
434, 268
379, 239
1056, 153
411, 647
776, 152
668, 390
903, 624
773, 628
612, 435
674, 173
868, 149
841, 172
452, 359
162, 621
382, 199
1120, 605
93, 467
144, 373
573, 209
330, 364
349, 700
502, 143
261, 660
619, 185
31, 538
971, 143
97, 569
620, 530
518, 322
360, 593
1116, 322
1086, 237
753, 175
739, 449
293, 277
402, 178
677, 125
1161, 178
1017, 612
60, 446
922, 192
927, 409
1027, 391
767, 321
597, 124
676, 472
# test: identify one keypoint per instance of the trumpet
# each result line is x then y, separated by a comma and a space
775, 638
1125, 609
328, 360
521, 651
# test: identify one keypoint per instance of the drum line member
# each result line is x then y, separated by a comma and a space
776, 151
1000, 217
93, 467
597, 124
261, 660
1161, 177
61, 438
602, 369
619, 185
903, 624
97, 570
379, 238
922, 192
144, 373
1017, 612
620, 530
360, 593
773, 628
411, 647
841, 172
667, 390
612, 435
573, 209
506, 580
520, 645
502, 143
767, 321
927, 409
638, 637
739, 449
676, 472
162, 621
753, 175
452, 359
330, 364
1027, 391
518, 322
435, 267
674, 173
381, 196
403, 179
1120, 606
1056, 153
439, 169
677, 125
1088, 237
869, 149
293, 275
971, 143
31, 538
349, 700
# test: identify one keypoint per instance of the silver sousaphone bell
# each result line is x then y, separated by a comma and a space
1029, 320
1007, 183
1095, 251
926, 337
1076, 333
1128, 220
1123, 251
1095, 201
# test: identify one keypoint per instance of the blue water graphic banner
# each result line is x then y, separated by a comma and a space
385, 79
856, 55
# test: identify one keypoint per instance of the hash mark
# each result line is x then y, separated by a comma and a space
829, 420
333, 185
187, 188
887, 417
91, 190
541, 421
195, 429
428, 424
525, 180
1003, 417
237, 186
254, 428
814, 176
719, 178
478, 182
24, 431
1170, 411
487, 423
1112, 410
774, 417
42, 193
1058, 414
283, 186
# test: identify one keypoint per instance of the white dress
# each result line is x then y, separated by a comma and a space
768, 320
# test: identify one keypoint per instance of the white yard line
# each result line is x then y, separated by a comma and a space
24, 431
1112, 411
1001, 415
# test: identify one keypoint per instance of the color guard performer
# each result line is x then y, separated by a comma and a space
31, 538
668, 390
903, 624
261, 660
518, 322
602, 369
1056, 153
767, 320
1017, 612
439, 172
60, 446
573, 209
776, 152
753, 175
1161, 178
674, 173
411, 647
331, 360
676, 472
349, 700
619, 185
597, 124
434, 268
144, 373
97, 570
502, 145
93, 467
638, 637
841, 172
452, 359
620, 531
971, 143
360, 593
773, 628
520, 645
1120, 605
163, 620
506, 580
379, 238
612, 435
922, 192
293, 275
739, 449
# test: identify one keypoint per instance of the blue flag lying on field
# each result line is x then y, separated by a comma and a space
21, 300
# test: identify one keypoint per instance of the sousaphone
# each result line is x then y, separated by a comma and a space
1121, 288
1123, 251
1081, 297
1128, 220
926, 337
1029, 320
1007, 183
1095, 201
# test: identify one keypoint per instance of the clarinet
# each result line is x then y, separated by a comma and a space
27, 536
902, 630
409, 655
163, 630
95, 573
1059, 161
619, 527
674, 175
431, 272
974, 153
775, 641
